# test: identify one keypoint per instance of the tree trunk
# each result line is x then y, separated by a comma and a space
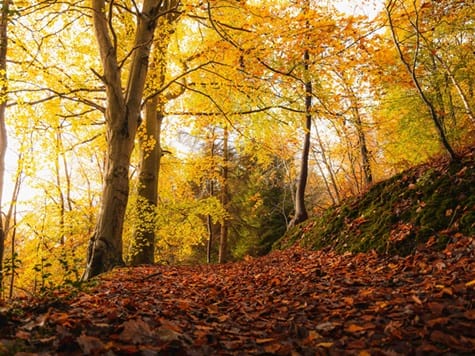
209, 222
143, 241
122, 120
209, 245
365, 161
143, 249
412, 71
223, 238
300, 210
3, 130
105, 246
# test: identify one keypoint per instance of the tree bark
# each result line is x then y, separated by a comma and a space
300, 209
336, 190
122, 120
143, 241
209, 221
223, 238
143, 249
3, 130
365, 159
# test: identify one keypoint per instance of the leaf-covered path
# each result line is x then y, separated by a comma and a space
294, 302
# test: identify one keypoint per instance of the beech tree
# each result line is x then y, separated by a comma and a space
122, 116
4, 16
412, 60
150, 150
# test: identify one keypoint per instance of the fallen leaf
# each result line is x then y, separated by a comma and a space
471, 283
353, 328
90, 344
416, 299
326, 345
136, 331
264, 341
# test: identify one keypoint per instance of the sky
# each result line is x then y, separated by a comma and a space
357, 7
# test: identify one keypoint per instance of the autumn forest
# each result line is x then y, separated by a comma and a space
194, 132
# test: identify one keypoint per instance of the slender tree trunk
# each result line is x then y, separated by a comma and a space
223, 238
11, 220
143, 249
3, 130
460, 92
365, 160
209, 223
122, 120
210, 189
209, 245
324, 176
411, 69
143, 242
326, 162
57, 168
13, 253
300, 210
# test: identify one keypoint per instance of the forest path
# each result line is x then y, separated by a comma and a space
292, 302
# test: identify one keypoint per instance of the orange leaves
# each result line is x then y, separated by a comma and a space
360, 304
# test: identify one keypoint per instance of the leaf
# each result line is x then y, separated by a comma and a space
264, 341
136, 331
471, 283
325, 345
416, 299
90, 344
353, 328
469, 314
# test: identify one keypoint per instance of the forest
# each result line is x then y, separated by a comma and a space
262, 177
193, 132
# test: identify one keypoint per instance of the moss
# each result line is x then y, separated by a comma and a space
396, 215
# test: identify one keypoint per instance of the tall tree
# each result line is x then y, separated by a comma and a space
301, 214
411, 62
4, 16
143, 249
122, 116
223, 237
150, 150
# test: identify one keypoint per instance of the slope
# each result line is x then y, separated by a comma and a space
434, 201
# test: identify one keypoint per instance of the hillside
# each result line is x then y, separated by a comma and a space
431, 202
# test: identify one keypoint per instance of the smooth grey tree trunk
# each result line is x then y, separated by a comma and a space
5, 10
122, 120
143, 249
300, 209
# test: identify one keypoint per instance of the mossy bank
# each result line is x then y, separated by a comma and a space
430, 203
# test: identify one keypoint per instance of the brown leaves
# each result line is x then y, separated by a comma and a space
294, 301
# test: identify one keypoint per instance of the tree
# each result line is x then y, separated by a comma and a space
223, 234
122, 116
4, 16
411, 62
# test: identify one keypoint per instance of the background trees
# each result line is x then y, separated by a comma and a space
231, 92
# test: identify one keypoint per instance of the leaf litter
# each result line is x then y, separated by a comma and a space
291, 302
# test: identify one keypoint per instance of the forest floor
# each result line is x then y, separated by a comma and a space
291, 302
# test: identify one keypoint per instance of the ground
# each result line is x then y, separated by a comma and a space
292, 302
